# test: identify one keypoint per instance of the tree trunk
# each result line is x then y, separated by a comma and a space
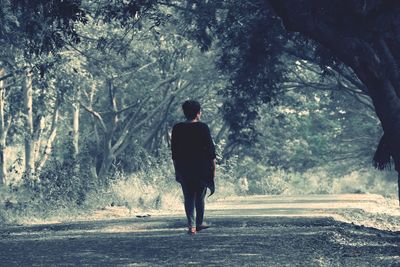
157, 128
107, 158
93, 167
75, 128
106, 164
37, 138
52, 136
28, 138
108, 155
75, 138
2, 132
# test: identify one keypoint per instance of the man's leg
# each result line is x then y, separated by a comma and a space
200, 195
189, 196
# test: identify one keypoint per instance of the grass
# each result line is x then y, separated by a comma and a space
155, 188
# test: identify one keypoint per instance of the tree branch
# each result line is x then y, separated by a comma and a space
155, 88
116, 148
159, 125
96, 115
119, 145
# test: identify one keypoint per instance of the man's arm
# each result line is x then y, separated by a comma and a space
173, 144
174, 150
209, 143
211, 150
213, 164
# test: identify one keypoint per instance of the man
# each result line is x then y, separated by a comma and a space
193, 154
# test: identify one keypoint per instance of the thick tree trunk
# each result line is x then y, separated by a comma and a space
105, 167
2, 132
387, 107
108, 155
28, 138
106, 160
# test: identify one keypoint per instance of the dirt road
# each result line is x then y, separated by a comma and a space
256, 231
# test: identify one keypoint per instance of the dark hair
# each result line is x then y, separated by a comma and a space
190, 109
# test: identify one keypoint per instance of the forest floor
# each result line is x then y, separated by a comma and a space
328, 230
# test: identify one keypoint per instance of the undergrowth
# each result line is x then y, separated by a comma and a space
59, 192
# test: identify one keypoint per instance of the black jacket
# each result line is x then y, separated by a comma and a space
193, 152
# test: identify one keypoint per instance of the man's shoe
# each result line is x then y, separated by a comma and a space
192, 230
202, 227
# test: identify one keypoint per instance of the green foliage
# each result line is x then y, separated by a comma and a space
250, 47
125, 12
240, 176
249, 42
59, 183
262, 60
41, 26
63, 180
302, 133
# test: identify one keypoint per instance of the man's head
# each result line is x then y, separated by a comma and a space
191, 108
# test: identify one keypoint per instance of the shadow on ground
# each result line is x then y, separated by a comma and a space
240, 241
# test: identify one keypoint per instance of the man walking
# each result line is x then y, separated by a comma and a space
193, 154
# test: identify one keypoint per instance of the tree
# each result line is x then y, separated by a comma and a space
30, 29
367, 39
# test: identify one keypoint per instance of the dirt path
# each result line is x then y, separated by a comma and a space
247, 234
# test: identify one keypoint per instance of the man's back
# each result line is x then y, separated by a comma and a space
193, 151
191, 142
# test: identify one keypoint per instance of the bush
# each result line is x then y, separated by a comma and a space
367, 180
60, 182
246, 176
241, 176
149, 188
274, 181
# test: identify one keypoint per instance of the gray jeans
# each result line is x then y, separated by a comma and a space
194, 199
